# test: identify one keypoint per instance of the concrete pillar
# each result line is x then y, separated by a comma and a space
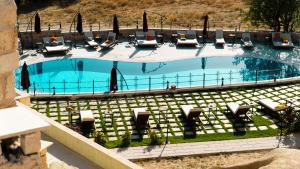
31, 143
8, 52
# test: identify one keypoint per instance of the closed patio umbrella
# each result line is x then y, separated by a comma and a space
145, 22
79, 23
203, 61
25, 81
205, 28
113, 80
116, 26
37, 23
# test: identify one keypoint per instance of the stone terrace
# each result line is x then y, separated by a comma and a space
114, 116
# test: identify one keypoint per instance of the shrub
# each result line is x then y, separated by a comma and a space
125, 139
154, 138
100, 138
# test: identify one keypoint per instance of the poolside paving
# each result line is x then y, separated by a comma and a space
206, 148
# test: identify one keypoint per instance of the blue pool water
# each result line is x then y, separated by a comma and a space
88, 75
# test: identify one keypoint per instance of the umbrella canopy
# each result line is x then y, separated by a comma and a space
79, 23
205, 25
145, 22
113, 80
25, 81
116, 25
37, 23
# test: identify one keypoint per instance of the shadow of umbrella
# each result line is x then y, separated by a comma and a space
25, 81
113, 80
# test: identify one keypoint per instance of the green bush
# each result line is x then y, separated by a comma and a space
100, 138
125, 139
154, 139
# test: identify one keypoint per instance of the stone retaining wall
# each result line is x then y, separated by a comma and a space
8, 54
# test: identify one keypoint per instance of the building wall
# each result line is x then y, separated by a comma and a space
8, 52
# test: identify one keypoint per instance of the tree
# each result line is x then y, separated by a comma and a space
276, 14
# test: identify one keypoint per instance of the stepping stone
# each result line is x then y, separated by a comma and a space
218, 126
231, 130
273, 126
253, 129
227, 125
200, 132
178, 134
263, 128
221, 131
210, 131
112, 138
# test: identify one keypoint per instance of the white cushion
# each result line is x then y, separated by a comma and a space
86, 115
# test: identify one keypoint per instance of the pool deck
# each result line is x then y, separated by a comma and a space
165, 52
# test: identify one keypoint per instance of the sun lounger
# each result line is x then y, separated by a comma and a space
282, 40
89, 39
55, 44
190, 112
87, 121
141, 117
111, 40
146, 39
219, 37
187, 38
246, 40
272, 106
238, 110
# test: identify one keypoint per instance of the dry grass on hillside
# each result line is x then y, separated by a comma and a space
198, 162
180, 11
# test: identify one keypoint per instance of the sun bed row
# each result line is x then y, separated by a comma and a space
148, 39
192, 114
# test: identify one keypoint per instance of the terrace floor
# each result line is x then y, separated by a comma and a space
114, 116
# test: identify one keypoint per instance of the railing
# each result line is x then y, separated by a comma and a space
125, 24
159, 82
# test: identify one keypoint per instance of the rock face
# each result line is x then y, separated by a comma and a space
281, 158
8, 52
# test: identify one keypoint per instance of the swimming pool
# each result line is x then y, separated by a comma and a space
82, 75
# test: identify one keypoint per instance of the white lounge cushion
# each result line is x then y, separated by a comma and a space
234, 107
220, 41
86, 116
186, 109
92, 43
136, 112
187, 42
147, 42
270, 104
59, 48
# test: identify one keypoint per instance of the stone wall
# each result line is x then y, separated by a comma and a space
8, 53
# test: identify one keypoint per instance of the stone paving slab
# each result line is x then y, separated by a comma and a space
206, 148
